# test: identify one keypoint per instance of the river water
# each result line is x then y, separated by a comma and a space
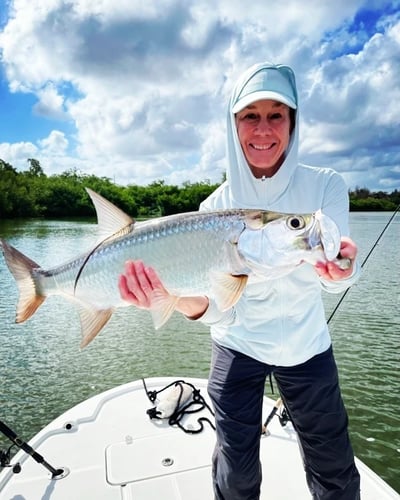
43, 372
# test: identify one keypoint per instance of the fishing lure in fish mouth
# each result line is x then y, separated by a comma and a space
196, 253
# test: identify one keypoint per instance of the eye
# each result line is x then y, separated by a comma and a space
295, 222
250, 116
247, 115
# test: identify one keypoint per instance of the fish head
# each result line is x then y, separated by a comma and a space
287, 240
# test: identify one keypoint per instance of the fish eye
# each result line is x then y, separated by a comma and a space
295, 222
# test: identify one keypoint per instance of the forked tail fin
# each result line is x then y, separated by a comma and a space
22, 268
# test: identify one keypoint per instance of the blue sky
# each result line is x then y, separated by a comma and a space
137, 91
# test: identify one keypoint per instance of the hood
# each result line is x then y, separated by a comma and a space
245, 190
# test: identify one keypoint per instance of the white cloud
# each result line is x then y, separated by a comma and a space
50, 104
55, 143
353, 103
16, 154
146, 87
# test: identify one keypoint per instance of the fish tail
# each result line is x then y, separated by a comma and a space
22, 268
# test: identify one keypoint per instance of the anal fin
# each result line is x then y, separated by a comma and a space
92, 321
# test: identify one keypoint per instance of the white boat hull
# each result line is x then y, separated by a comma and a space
109, 449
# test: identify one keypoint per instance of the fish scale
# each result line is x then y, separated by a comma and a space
184, 252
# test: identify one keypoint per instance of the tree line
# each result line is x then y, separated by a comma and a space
31, 193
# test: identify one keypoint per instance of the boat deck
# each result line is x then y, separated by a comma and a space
110, 449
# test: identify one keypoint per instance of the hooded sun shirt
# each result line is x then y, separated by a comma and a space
279, 321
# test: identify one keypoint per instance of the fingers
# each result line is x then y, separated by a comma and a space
321, 269
342, 267
348, 248
154, 279
138, 283
332, 271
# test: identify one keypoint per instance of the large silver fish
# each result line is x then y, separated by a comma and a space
197, 253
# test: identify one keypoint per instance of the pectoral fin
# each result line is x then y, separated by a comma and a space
92, 321
163, 305
228, 288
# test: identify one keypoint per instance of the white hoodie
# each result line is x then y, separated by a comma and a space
282, 321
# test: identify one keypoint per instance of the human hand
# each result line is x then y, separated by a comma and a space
342, 267
139, 285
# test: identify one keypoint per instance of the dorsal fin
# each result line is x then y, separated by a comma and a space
112, 222
110, 218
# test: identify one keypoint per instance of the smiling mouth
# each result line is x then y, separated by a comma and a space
262, 147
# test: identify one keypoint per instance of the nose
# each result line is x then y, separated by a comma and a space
263, 127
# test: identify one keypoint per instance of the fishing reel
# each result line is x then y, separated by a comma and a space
283, 417
5, 457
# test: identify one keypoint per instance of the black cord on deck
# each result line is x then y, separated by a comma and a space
196, 404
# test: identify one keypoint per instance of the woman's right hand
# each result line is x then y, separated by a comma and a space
139, 285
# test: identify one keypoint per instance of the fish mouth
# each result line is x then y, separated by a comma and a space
329, 235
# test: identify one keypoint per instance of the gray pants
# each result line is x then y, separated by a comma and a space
312, 397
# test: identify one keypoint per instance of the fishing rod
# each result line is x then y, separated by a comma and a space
5, 456
365, 260
277, 405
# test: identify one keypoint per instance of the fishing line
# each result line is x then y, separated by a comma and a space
365, 260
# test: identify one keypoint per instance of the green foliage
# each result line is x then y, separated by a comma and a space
32, 193
363, 200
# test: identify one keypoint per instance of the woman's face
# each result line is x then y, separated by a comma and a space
264, 132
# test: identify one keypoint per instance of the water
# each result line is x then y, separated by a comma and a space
43, 372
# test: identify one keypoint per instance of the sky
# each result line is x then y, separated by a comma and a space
137, 90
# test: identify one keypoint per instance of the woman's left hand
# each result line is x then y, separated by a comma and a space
342, 267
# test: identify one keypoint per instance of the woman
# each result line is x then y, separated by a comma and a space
277, 326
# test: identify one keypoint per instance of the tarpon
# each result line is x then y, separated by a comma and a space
196, 253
